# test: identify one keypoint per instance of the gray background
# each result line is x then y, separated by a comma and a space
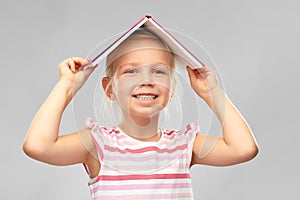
254, 43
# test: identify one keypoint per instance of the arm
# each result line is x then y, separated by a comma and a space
237, 144
42, 141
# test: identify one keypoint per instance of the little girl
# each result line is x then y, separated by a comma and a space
136, 159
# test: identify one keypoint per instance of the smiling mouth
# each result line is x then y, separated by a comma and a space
146, 97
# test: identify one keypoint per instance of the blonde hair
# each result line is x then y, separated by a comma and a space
139, 34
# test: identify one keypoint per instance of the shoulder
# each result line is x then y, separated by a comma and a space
186, 134
86, 138
189, 129
93, 126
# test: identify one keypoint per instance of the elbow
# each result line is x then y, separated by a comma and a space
253, 151
249, 153
33, 149
29, 149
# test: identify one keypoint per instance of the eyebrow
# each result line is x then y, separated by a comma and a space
129, 63
137, 64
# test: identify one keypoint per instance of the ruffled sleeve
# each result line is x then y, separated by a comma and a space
191, 130
97, 135
89, 123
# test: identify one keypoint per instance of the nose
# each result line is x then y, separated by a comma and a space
146, 79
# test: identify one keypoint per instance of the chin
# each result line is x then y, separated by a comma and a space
146, 112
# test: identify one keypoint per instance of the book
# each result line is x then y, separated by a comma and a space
177, 48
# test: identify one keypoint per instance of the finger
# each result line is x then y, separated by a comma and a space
80, 62
197, 73
206, 69
89, 70
205, 72
191, 74
71, 65
203, 69
87, 63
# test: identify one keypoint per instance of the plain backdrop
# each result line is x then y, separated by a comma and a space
255, 45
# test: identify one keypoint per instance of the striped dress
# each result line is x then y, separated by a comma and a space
132, 169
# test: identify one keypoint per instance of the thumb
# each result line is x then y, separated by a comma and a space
191, 73
83, 75
88, 71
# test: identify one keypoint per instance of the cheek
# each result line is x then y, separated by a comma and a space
164, 84
160, 78
123, 88
168, 88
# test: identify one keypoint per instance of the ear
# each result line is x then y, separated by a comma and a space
107, 87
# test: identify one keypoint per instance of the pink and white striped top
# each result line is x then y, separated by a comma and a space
132, 169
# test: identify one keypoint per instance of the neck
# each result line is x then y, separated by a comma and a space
144, 129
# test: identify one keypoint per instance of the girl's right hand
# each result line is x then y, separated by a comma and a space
71, 70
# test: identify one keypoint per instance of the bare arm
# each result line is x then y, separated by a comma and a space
43, 142
237, 144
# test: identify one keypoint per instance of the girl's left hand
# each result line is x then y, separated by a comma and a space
203, 80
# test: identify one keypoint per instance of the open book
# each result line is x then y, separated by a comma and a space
147, 21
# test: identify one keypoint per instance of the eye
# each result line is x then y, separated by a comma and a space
130, 71
159, 71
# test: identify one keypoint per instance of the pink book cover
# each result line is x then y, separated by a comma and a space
135, 26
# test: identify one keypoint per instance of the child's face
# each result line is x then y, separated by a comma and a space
143, 81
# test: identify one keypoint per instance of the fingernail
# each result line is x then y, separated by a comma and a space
87, 61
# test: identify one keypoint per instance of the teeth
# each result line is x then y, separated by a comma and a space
146, 97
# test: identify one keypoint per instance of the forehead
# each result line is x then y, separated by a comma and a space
140, 43
144, 56
140, 50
